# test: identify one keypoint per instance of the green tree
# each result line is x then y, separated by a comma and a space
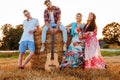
111, 33
11, 36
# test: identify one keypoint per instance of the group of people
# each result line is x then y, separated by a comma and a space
84, 50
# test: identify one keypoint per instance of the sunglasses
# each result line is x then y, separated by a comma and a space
48, 4
26, 14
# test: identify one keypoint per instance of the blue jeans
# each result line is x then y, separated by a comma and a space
61, 27
25, 44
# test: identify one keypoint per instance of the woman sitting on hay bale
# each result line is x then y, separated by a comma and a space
73, 57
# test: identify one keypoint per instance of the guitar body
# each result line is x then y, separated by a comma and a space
52, 58
51, 65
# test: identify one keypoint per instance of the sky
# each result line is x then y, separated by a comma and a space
107, 11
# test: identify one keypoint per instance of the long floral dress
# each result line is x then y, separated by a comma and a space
74, 56
93, 58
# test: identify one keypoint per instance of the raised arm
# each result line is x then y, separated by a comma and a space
68, 27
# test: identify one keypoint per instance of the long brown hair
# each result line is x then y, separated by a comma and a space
92, 26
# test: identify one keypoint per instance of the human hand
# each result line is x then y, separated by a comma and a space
68, 30
31, 31
51, 30
55, 30
78, 30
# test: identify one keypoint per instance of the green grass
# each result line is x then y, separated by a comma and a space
10, 55
105, 53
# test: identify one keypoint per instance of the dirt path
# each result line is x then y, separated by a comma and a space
113, 59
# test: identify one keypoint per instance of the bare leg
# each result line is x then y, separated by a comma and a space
20, 59
29, 57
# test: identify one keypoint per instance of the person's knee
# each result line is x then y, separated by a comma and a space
45, 29
32, 53
21, 54
63, 28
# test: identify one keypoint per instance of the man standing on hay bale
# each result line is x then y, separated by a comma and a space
52, 17
27, 39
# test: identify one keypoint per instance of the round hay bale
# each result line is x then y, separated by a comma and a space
38, 61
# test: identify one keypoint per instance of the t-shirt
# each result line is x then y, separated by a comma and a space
52, 18
27, 26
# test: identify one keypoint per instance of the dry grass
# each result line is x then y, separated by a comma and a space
9, 71
58, 47
35, 69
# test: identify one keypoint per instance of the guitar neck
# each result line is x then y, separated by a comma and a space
52, 50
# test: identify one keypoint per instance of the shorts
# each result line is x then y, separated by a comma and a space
24, 44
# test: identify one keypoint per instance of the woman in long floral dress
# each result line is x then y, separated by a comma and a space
93, 58
73, 57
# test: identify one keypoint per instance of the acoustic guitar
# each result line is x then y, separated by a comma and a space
52, 59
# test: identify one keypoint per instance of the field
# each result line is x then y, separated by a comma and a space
9, 71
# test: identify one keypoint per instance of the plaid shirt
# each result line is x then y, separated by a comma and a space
57, 14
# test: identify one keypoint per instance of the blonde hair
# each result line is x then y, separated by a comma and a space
78, 14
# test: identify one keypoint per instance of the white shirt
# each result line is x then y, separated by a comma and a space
27, 26
52, 18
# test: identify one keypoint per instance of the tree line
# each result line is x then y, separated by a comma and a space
111, 33
11, 35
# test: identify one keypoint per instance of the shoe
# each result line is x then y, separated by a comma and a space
20, 67
64, 47
42, 49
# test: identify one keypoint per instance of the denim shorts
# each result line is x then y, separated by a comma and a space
24, 44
